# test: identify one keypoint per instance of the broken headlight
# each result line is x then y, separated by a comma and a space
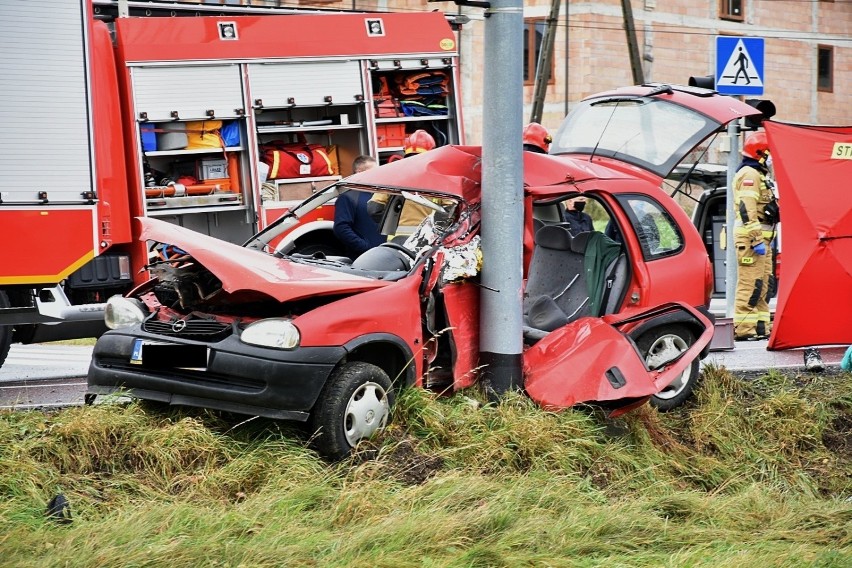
278, 333
124, 312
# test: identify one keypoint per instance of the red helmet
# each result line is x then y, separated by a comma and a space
756, 145
536, 135
418, 142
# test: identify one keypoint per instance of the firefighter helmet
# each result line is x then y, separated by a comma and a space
418, 142
536, 138
756, 145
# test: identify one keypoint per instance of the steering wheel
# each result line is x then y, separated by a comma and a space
399, 247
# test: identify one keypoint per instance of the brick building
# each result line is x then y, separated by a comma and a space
808, 49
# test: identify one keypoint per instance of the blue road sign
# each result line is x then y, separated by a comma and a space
739, 65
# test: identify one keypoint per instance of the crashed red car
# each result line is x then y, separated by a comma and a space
616, 316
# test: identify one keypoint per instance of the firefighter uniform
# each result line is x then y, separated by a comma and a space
752, 227
412, 213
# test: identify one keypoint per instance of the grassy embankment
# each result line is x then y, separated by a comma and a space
754, 473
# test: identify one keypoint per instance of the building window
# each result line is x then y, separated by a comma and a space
731, 10
533, 35
825, 68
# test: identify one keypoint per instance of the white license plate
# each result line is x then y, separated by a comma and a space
159, 355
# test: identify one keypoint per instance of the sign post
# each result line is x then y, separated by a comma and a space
739, 71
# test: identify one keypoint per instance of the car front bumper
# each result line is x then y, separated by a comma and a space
236, 377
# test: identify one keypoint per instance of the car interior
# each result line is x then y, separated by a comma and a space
559, 289
394, 259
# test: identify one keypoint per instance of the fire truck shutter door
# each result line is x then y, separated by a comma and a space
191, 91
306, 83
43, 105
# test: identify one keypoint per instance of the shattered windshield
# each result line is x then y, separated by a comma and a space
408, 226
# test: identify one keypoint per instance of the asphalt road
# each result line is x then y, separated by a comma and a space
46, 376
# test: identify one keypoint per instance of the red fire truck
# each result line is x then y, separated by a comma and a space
212, 122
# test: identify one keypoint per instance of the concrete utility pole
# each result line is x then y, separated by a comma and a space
501, 316
545, 62
632, 43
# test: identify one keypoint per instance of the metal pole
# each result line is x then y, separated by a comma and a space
632, 43
730, 252
545, 62
501, 316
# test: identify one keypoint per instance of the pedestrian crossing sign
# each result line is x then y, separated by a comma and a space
739, 65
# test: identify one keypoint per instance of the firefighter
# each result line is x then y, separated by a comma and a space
536, 138
755, 214
416, 143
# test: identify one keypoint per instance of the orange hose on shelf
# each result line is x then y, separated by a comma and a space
234, 171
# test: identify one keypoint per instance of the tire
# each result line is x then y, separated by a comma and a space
5, 330
659, 346
354, 405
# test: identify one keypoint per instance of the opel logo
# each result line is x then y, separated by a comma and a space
179, 326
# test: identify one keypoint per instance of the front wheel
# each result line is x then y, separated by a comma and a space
5, 330
354, 405
662, 345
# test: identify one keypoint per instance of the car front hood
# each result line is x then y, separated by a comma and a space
243, 270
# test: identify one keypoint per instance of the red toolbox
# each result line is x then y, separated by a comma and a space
390, 135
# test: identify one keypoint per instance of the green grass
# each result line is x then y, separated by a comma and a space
752, 473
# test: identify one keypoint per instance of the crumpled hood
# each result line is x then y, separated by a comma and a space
244, 271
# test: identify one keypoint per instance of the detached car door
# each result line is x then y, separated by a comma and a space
596, 360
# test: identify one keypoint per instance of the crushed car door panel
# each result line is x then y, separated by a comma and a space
591, 359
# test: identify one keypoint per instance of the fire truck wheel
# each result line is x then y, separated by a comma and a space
354, 405
5, 330
661, 345
312, 244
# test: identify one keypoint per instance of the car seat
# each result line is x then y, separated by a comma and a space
556, 291
572, 277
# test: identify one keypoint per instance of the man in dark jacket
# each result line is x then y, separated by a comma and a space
580, 222
353, 226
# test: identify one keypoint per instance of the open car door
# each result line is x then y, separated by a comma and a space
813, 169
595, 360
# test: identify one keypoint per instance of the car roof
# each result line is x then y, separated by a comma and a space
457, 171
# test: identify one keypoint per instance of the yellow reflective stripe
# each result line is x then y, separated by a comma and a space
276, 163
746, 229
768, 234
327, 161
763, 316
748, 193
745, 318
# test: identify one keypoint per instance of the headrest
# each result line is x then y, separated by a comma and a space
553, 237
580, 242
